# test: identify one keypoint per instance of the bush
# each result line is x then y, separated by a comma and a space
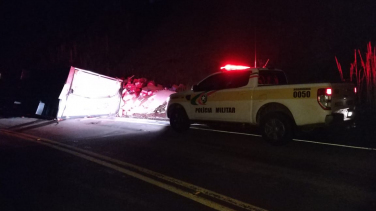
363, 74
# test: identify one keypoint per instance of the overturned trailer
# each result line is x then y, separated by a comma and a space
73, 92
87, 93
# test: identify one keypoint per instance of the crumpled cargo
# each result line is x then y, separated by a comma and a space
145, 98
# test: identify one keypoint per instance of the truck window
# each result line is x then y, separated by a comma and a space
213, 82
236, 79
271, 77
226, 80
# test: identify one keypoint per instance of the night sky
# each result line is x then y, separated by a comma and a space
183, 41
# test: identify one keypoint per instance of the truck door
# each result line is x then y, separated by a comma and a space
223, 97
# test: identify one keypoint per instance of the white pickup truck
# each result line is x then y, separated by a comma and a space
262, 96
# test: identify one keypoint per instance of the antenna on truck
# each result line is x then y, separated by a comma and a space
265, 63
255, 50
256, 53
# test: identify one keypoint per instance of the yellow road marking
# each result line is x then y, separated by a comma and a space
101, 159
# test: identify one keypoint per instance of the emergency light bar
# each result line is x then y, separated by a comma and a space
230, 67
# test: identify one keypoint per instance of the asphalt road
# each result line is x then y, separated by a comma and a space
121, 164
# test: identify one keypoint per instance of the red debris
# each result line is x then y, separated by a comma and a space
142, 97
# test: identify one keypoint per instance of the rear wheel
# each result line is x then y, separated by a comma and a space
179, 120
277, 129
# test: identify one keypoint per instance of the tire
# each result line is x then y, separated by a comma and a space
179, 120
277, 129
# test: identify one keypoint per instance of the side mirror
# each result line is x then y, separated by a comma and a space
194, 88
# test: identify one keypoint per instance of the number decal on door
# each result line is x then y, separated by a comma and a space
302, 93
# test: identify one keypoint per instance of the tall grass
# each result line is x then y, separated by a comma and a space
363, 74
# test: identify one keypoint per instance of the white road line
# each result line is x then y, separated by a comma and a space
255, 135
297, 140
250, 134
142, 121
337, 145
224, 131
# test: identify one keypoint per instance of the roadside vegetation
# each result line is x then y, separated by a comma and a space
362, 73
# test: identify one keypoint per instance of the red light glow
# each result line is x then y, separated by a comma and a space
230, 67
324, 98
329, 91
355, 90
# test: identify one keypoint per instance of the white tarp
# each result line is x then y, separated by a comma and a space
86, 93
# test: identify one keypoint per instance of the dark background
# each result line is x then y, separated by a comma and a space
183, 41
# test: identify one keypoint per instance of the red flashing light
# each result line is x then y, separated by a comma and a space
230, 67
328, 91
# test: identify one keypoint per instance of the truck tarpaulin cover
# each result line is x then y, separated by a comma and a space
86, 93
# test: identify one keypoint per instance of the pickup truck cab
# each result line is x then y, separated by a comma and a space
262, 97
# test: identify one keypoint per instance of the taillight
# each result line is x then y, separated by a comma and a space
355, 90
324, 98
328, 91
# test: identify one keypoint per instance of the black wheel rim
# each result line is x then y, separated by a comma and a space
274, 129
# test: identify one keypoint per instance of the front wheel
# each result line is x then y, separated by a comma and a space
277, 129
179, 120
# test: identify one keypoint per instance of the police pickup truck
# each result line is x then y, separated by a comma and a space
262, 97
